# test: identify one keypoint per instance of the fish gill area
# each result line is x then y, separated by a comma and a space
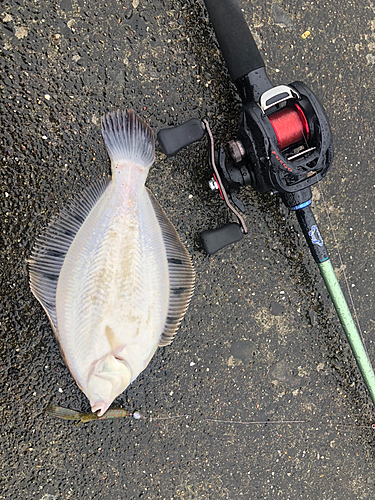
259, 395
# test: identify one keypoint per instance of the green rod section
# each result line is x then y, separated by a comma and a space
318, 250
348, 325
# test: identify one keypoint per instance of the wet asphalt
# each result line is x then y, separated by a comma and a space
260, 341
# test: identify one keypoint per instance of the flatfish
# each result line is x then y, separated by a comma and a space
111, 272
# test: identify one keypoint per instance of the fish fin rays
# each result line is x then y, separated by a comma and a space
127, 137
181, 274
52, 245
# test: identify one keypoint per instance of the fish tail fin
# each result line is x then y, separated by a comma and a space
128, 138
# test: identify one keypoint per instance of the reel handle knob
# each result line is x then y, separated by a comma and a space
215, 239
173, 139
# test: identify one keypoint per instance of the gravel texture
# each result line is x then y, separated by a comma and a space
260, 341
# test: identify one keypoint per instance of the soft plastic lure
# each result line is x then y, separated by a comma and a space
79, 417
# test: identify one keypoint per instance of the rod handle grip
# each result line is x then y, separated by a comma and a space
236, 42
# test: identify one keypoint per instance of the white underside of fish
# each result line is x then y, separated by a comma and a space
123, 279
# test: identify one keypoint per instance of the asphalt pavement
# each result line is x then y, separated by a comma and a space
259, 396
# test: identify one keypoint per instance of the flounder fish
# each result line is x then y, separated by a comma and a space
111, 272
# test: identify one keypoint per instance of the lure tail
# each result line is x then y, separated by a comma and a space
65, 413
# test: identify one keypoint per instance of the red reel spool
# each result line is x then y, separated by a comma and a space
290, 126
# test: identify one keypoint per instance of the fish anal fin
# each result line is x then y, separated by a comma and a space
181, 274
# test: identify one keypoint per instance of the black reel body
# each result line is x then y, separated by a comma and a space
264, 163
283, 145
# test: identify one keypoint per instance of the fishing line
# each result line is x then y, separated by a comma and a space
117, 413
342, 268
260, 422
290, 126
167, 418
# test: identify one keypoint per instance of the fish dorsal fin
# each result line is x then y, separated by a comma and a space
181, 274
52, 245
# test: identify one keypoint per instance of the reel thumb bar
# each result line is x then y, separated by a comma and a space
315, 241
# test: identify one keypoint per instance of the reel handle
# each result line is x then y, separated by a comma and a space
236, 42
215, 239
173, 139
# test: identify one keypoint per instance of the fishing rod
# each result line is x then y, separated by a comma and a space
283, 145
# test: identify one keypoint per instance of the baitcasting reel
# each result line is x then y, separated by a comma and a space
283, 145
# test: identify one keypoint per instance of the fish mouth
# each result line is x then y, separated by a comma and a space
109, 377
101, 407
